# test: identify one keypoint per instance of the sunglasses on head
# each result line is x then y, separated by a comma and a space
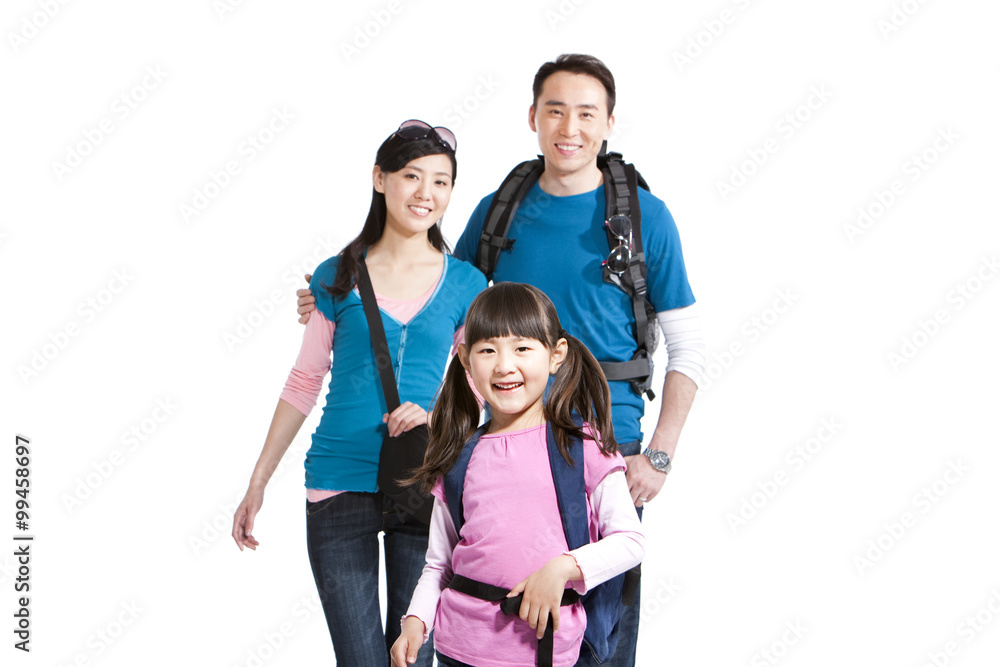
412, 130
620, 227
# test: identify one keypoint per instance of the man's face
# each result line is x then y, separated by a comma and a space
571, 119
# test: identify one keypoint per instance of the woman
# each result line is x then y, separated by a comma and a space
423, 294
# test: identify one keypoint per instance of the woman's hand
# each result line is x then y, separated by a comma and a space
404, 651
244, 517
405, 417
543, 592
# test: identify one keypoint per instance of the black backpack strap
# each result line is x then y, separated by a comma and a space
502, 209
621, 195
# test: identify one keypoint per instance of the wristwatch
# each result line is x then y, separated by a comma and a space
659, 459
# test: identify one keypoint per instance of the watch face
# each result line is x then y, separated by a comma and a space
659, 459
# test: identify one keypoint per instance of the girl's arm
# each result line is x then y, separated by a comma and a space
621, 548
419, 619
623, 543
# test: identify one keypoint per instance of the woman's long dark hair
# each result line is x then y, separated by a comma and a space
516, 309
394, 154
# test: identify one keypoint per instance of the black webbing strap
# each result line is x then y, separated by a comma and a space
381, 346
631, 585
511, 606
502, 209
621, 194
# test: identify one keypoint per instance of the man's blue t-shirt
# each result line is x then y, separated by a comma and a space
560, 244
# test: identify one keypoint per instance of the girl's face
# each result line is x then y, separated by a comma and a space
511, 373
417, 195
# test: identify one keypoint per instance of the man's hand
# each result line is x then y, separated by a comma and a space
644, 481
543, 592
307, 302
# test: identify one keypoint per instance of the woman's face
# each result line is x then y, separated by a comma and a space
417, 195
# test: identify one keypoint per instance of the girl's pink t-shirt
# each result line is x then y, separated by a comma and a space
512, 528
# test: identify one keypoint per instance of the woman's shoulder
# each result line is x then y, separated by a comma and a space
327, 269
466, 273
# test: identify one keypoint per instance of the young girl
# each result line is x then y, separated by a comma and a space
512, 536
422, 294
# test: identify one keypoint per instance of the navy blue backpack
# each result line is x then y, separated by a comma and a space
605, 603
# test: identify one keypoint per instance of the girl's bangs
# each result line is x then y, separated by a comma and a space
506, 309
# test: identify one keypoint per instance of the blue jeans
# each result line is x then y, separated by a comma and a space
628, 624
342, 535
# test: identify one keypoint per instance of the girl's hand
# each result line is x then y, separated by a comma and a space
543, 592
404, 651
405, 417
244, 517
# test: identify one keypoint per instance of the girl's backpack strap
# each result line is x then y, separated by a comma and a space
571, 491
454, 480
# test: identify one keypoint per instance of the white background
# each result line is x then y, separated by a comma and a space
826, 550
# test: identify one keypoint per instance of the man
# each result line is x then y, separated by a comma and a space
560, 246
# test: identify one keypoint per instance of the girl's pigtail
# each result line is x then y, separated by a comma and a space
580, 387
453, 419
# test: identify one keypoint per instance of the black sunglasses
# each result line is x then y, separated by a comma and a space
620, 227
412, 130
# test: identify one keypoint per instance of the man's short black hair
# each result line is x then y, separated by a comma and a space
576, 63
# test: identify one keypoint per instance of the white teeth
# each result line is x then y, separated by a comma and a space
508, 385
565, 147
420, 210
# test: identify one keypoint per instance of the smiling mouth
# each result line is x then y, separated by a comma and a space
507, 386
567, 148
420, 210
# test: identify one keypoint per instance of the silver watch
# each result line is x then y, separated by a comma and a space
659, 459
